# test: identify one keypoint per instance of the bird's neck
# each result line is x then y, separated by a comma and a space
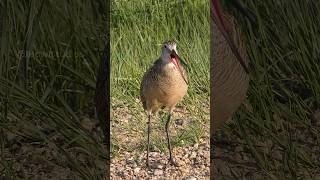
167, 63
225, 61
165, 58
228, 22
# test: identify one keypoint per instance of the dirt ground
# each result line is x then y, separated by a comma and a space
192, 162
231, 159
26, 158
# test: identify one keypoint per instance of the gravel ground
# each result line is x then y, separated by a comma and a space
231, 158
192, 163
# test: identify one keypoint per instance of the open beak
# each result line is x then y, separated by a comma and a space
218, 20
176, 61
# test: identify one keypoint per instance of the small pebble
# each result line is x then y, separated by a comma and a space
136, 170
191, 178
193, 155
158, 172
196, 146
179, 122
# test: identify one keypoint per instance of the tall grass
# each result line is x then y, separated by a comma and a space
49, 52
137, 29
284, 89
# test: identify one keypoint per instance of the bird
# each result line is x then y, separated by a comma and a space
229, 64
163, 85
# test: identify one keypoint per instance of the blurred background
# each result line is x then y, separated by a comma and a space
275, 134
50, 52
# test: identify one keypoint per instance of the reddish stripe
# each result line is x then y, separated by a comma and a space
218, 20
176, 62
216, 8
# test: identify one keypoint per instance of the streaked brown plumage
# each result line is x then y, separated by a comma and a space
229, 81
163, 85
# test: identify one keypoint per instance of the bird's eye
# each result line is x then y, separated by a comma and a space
165, 46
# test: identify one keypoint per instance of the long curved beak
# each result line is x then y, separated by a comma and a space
175, 59
218, 20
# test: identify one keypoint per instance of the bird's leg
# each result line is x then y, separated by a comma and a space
149, 130
168, 138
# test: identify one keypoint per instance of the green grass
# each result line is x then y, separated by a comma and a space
283, 49
45, 94
137, 27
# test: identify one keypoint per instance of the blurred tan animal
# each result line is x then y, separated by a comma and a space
229, 61
163, 85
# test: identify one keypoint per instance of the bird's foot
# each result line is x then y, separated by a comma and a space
148, 165
172, 162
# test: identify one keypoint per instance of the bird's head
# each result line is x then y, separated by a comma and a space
168, 48
169, 54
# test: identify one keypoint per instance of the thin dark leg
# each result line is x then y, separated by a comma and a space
149, 130
168, 139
